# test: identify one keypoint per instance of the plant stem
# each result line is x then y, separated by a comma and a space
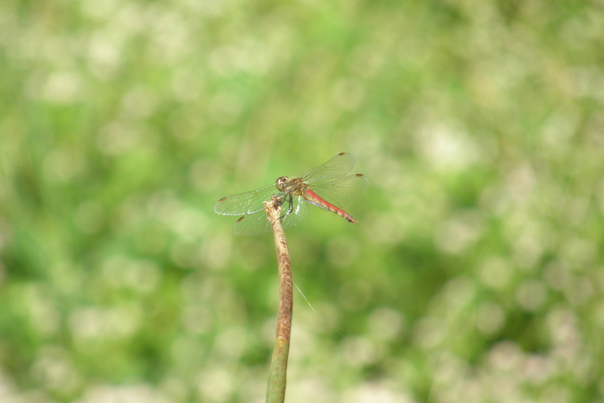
278, 372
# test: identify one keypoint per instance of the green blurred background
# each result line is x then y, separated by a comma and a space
475, 273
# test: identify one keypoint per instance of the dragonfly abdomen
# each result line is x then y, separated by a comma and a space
316, 200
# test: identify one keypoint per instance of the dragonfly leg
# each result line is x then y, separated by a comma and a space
278, 199
291, 206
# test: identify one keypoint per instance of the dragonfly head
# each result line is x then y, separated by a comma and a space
280, 182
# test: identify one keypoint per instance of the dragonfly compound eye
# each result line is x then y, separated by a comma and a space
281, 181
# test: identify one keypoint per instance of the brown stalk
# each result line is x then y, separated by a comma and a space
278, 372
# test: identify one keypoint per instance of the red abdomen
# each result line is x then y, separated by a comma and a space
314, 199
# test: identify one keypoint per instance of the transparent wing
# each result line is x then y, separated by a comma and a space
336, 167
252, 224
257, 223
245, 203
299, 212
341, 191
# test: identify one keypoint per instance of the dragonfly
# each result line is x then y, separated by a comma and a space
327, 186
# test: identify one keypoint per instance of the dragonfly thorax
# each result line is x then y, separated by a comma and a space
294, 186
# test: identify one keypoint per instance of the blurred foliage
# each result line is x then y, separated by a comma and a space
475, 273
